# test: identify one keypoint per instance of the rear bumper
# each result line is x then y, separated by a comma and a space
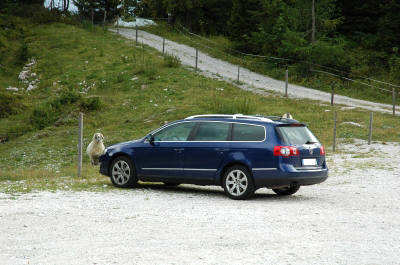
277, 178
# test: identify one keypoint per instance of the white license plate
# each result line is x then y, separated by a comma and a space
309, 162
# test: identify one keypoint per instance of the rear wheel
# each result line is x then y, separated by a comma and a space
287, 191
238, 183
123, 173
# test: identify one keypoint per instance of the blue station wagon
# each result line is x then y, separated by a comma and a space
240, 153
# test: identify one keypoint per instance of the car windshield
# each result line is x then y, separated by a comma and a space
296, 135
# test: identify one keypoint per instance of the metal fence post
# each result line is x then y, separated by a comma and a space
163, 46
333, 93
80, 144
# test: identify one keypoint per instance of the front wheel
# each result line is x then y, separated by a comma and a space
123, 173
238, 183
287, 191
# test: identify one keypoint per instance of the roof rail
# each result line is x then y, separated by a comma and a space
230, 116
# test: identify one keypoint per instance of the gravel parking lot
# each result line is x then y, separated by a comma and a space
352, 218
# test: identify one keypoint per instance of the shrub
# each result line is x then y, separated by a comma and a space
90, 104
9, 104
43, 116
171, 61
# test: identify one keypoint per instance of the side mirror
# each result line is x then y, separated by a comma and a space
150, 137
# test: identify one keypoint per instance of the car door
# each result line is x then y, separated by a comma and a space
164, 157
204, 154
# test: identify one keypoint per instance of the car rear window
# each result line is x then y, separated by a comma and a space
296, 135
247, 132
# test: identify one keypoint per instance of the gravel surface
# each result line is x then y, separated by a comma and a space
212, 67
352, 218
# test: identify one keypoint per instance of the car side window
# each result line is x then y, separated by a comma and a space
176, 132
212, 131
247, 132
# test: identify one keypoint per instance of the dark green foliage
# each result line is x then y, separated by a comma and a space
23, 53
48, 113
9, 104
89, 9
91, 104
245, 20
171, 61
43, 116
389, 26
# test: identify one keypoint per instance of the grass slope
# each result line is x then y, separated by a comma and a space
124, 92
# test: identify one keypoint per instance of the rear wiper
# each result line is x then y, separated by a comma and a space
309, 142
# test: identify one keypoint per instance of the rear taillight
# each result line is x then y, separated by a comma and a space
286, 151
322, 150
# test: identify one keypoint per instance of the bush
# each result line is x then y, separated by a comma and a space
9, 104
43, 116
87, 24
48, 113
91, 104
171, 61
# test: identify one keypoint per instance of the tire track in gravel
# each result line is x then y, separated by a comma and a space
215, 68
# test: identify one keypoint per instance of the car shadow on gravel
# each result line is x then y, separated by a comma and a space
217, 192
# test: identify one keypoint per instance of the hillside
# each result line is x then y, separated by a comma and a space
124, 92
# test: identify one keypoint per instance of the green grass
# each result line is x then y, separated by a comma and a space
221, 47
124, 92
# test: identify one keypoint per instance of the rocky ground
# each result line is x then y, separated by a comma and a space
352, 218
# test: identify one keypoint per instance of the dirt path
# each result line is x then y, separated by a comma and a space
216, 68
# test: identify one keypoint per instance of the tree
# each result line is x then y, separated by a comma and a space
245, 20
389, 27
86, 7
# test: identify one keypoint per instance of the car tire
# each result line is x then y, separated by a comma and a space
238, 183
123, 173
287, 191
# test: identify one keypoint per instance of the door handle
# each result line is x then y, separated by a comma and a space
221, 150
179, 150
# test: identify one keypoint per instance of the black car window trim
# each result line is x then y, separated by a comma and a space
249, 124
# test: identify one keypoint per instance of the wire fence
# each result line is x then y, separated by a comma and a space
52, 149
307, 74
339, 73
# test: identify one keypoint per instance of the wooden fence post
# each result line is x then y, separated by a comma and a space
333, 93
334, 132
370, 128
197, 58
287, 83
117, 25
136, 34
394, 101
163, 46
104, 21
80, 144
238, 74
92, 15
